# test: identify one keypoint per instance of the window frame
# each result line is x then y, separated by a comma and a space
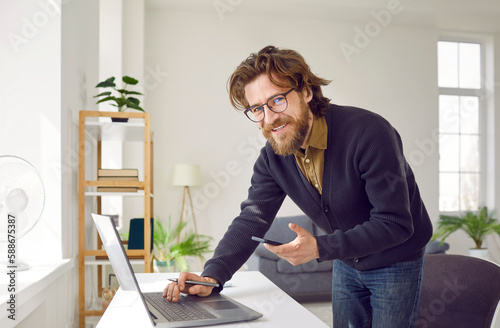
482, 104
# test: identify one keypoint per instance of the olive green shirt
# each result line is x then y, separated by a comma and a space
311, 160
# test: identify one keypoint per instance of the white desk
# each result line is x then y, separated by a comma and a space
250, 288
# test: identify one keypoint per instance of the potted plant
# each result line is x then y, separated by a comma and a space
476, 225
169, 253
123, 99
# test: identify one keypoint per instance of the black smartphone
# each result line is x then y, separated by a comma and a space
267, 241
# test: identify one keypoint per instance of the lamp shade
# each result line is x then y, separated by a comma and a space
186, 175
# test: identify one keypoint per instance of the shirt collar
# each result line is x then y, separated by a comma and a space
319, 136
319, 133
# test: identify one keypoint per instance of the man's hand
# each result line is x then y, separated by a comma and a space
300, 250
173, 289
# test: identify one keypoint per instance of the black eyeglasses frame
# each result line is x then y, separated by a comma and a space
270, 107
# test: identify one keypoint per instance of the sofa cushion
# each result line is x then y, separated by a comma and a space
283, 266
436, 247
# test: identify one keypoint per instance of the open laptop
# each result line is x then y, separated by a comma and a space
214, 309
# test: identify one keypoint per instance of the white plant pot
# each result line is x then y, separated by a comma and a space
481, 253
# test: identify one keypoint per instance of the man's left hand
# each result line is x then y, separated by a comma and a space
302, 249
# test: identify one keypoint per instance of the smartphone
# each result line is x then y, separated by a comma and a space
267, 241
194, 282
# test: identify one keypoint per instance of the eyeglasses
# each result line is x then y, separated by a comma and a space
277, 104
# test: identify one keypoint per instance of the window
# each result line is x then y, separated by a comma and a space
460, 102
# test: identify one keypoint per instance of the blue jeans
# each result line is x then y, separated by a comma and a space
380, 298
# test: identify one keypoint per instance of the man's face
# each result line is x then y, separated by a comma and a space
286, 131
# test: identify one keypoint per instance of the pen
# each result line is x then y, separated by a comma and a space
194, 282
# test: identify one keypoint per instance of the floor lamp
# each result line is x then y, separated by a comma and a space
187, 175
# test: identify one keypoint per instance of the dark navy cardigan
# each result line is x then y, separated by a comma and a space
370, 207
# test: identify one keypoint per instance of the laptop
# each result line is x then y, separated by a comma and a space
200, 311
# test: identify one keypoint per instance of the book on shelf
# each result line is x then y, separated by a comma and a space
135, 238
117, 189
118, 178
117, 172
117, 175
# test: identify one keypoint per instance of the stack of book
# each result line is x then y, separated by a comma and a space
117, 175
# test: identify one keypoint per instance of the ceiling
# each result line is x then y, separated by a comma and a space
461, 15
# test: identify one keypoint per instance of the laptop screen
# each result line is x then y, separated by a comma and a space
116, 253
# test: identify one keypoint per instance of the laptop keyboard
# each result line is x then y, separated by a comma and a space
184, 310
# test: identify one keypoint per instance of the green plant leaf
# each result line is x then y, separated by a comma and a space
166, 247
181, 263
496, 228
133, 100
129, 80
134, 106
108, 83
106, 93
106, 99
164, 236
127, 92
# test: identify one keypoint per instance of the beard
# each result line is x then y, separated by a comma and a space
288, 142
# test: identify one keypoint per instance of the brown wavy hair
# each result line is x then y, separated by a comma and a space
286, 65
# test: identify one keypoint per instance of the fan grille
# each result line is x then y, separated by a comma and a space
16, 172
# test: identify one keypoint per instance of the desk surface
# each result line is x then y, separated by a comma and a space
250, 288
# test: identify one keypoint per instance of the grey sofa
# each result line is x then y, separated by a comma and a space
308, 282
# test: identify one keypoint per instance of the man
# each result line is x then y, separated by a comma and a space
345, 168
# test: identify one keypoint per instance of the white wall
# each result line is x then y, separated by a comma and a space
395, 75
80, 66
30, 115
80, 71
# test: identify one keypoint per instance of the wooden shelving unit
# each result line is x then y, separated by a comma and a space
97, 125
